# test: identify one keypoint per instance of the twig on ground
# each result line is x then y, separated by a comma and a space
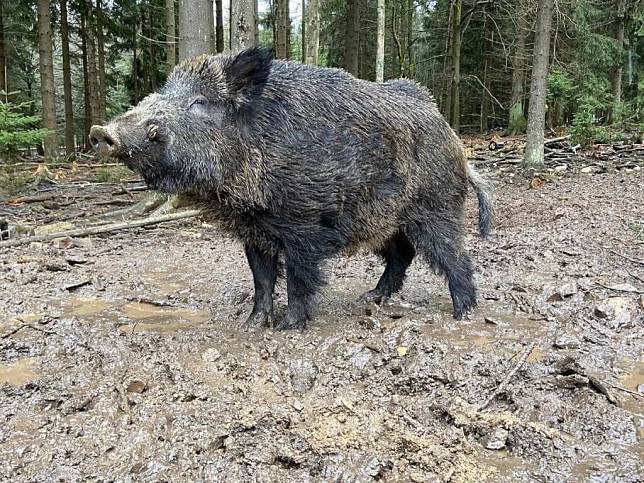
628, 391
510, 375
633, 260
96, 230
635, 276
24, 326
622, 290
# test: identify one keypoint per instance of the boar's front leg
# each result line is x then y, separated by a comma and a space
264, 268
303, 279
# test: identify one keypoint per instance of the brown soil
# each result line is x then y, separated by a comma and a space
143, 374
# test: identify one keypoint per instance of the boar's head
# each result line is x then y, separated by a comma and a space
187, 136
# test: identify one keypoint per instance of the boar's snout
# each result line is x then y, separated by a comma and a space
104, 141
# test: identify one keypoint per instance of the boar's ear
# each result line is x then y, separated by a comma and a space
247, 73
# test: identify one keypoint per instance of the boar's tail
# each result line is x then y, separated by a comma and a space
486, 209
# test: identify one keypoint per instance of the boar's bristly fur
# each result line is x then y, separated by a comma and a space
306, 162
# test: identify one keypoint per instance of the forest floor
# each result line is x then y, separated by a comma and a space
121, 356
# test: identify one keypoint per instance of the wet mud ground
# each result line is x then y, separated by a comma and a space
141, 372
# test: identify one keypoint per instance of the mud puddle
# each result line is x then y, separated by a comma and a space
18, 373
144, 316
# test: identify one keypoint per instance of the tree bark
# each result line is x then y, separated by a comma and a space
243, 24
352, 37
282, 29
3, 57
196, 26
517, 121
380, 42
219, 29
616, 75
447, 65
135, 65
534, 155
87, 101
303, 36
100, 47
312, 32
487, 82
411, 10
70, 147
148, 63
455, 110
170, 37
92, 82
47, 79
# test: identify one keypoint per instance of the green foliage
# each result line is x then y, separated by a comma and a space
17, 129
586, 131
561, 91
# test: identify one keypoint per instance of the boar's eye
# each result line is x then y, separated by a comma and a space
199, 105
153, 132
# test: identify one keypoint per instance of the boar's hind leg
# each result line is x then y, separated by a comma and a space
440, 242
303, 279
398, 254
264, 268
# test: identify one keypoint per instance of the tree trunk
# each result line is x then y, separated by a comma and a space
352, 37
534, 155
100, 47
312, 32
219, 30
517, 121
87, 118
47, 79
170, 37
447, 65
196, 26
243, 24
135, 66
487, 82
616, 75
455, 109
92, 82
396, 29
148, 63
411, 10
70, 147
282, 29
3, 58
303, 36
380, 41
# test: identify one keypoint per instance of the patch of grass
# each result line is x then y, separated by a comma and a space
112, 174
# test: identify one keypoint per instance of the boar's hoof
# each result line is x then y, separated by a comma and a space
258, 318
291, 321
463, 309
372, 296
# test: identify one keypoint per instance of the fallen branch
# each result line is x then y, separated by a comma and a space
546, 142
96, 230
510, 375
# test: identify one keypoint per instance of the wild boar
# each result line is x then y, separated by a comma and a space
304, 163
